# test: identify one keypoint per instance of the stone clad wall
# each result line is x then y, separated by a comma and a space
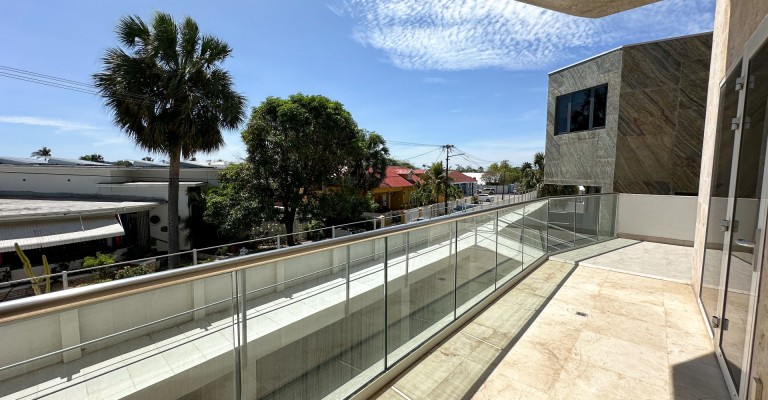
661, 116
584, 158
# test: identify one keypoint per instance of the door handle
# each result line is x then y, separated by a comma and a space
744, 243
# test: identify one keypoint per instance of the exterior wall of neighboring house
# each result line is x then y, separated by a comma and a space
584, 158
651, 142
61, 181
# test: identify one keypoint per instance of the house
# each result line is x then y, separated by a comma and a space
466, 183
395, 189
57, 205
630, 120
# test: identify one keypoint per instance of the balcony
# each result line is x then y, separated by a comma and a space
345, 317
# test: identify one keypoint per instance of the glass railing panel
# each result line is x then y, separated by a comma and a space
476, 256
561, 221
420, 297
534, 231
170, 343
315, 323
509, 244
607, 220
587, 210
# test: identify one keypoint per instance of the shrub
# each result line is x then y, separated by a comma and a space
98, 260
134, 270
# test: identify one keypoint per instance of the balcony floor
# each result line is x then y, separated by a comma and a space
639, 338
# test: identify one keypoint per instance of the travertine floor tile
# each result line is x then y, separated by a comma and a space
641, 338
582, 380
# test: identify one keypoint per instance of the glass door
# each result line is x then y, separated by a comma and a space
717, 221
747, 209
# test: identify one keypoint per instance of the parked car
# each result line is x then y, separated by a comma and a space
464, 207
488, 191
485, 198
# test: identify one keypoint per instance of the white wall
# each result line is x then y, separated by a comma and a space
657, 216
674, 217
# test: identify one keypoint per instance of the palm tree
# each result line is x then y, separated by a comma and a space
433, 185
42, 153
167, 91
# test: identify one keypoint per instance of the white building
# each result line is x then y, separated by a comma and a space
46, 203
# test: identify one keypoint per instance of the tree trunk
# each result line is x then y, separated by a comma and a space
289, 217
173, 209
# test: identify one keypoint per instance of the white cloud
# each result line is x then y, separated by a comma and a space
434, 80
471, 34
47, 122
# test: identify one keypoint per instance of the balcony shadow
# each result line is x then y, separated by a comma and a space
698, 378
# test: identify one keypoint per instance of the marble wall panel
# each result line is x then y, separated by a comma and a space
584, 158
663, 97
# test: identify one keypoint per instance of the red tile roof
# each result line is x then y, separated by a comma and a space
394, 178
458, 177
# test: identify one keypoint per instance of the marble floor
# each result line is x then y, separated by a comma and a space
574, 332
650, 259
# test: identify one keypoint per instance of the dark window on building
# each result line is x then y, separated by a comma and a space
582, 110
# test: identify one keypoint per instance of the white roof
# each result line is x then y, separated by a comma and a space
147, 184
18, 209
41, 233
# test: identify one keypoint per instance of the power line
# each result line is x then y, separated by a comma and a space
423, 154
412, 144
62, 83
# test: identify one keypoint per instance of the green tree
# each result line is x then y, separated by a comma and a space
433, 185
147, 158
468, 168
532, 177
44, 152
502, 173
303, 144
400, 163
93, 158
123, 163
167, 91
235, 207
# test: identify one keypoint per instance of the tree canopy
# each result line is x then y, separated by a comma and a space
433, 186
93, 157
168, 92
44, 152
502, 173
305, 147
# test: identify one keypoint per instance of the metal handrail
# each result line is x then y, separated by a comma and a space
78, 297
277, 237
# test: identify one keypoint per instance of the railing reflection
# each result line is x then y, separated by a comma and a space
294, 324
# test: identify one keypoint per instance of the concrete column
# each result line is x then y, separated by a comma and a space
69, 322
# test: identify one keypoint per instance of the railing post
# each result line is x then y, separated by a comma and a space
386, 303
278, 241
574, 222
333, 232
346, 303
496, 269
194, 256
65, 279
455, 268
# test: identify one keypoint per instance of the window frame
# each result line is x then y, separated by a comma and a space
570, 103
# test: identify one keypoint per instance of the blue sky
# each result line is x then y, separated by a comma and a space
472, 73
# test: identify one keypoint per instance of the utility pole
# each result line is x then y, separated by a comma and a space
447, 148
447, 155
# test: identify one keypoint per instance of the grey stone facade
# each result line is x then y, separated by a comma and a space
652, 139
